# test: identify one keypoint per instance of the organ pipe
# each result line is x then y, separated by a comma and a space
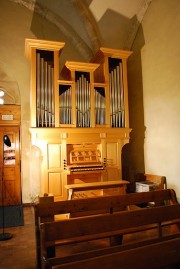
44, 92
38, 94
45, 100
65, 105
99, 106
116, 97
82, 101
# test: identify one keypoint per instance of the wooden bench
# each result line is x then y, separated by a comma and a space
159, 181
47, 210
161, 250
72, 188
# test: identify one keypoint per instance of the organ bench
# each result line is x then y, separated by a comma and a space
95, 186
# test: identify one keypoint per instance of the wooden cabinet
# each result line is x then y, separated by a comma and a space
10, 168
79, 122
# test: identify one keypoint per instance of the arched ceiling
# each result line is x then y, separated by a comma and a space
90, 24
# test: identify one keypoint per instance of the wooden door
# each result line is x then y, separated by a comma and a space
10, 176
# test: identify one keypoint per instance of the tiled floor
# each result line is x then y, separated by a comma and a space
19, 251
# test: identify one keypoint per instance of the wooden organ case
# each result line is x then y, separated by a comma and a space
80, 123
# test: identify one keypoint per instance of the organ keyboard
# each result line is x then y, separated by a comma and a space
81, 168
84, 158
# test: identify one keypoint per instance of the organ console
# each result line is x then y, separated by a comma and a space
84, 159
79, 117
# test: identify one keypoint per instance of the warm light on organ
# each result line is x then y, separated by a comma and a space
82, 120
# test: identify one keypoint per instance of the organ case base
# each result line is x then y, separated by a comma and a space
56, 144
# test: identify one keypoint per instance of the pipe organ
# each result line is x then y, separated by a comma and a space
79, 116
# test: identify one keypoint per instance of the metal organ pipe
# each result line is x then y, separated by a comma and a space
116, 97
49, 95
82, 102
45, 100
122, 95
44, 93
65, 105
88, 105
52, 123
99, 105
103, 107
38, 93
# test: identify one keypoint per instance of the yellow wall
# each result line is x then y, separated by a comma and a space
157, 54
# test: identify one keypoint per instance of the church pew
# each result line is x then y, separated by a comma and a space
46, 209
163, 246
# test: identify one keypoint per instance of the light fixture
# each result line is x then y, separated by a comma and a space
1, 95
1, 92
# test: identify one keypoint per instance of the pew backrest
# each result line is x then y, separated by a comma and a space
46, 209
158, 255
77, 230
109, 203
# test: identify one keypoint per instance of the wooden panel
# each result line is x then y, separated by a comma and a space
55, 184
113, 173
159, 255
112, 154
54, 156
120, 222
13, 112
11, 168
9, 191
85, 178
49, 208
9, 173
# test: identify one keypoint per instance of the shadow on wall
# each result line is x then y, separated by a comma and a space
133, 153
113, 28
9, 86
49, 23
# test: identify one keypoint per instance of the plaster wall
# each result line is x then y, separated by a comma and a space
160, 59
